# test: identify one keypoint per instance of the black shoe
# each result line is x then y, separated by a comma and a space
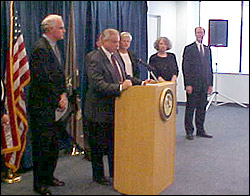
102, 181
190, 136
204, 134
56, 182
42, 190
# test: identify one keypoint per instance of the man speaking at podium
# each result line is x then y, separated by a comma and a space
198, 82
106, 80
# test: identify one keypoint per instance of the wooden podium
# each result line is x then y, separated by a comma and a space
144, 145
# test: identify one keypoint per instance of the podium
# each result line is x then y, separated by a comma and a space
144, 140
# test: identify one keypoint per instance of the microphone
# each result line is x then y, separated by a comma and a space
144, 64
149, 68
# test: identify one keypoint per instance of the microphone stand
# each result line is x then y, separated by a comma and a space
153, 75
149, 68
216, 93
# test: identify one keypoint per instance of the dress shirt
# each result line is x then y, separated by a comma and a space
200, 46
128, 63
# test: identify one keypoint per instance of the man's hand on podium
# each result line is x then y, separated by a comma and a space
148, 81
126, 84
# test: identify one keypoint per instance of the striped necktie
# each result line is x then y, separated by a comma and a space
119, 75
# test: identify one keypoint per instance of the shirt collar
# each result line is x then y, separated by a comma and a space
108, 54
52, 43
198, 43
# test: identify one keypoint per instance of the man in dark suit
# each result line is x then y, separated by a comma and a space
198, 82
46, 94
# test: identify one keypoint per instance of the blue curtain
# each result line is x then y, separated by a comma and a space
91, 18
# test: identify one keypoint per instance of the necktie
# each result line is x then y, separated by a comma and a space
116, 68
57, 53
201, 51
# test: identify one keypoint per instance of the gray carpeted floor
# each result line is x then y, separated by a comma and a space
217, 166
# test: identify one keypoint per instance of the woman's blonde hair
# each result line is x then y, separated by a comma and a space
126, 34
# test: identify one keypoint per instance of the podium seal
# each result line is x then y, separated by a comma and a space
166, 103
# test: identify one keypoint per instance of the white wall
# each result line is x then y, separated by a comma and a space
178, 21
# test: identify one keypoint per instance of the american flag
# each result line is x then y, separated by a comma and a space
17, 76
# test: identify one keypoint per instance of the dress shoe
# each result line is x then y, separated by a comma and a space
189, 136
204, 134
42, 190
102, 181
56, 182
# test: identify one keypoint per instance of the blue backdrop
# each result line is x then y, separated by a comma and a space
91, 18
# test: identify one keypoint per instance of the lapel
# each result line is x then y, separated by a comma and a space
121, 64
196, 48
205, 50
108, 66
52, 53
197, 52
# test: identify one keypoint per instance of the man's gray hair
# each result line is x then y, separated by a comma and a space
107, 33
49, 21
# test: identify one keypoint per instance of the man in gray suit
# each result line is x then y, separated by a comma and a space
107, 79
198, 82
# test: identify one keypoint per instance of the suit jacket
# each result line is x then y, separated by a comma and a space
103, 88
136, 71
197, 70
47, 83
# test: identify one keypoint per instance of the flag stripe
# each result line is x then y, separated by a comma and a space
17, 77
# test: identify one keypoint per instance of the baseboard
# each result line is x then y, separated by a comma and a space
227, 104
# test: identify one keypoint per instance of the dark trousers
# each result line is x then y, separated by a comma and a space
44, 154
196, 102
101, 139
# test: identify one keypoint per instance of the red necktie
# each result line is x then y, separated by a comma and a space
116, 68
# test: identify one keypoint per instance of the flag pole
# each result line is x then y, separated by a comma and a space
72, 82
10, 175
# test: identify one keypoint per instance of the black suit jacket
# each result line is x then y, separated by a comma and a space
46, 85
135, 79
197, 70
135, 67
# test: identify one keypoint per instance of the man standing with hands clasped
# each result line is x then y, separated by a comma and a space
198, 82
46, 94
